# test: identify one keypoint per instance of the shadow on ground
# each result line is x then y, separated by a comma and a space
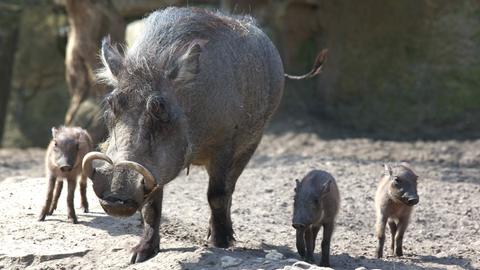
447, 261
247, 258
114, 226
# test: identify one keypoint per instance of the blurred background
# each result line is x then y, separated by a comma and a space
396, 70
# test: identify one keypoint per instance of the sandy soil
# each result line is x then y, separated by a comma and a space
444, 232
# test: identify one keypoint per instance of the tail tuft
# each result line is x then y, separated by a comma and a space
317, 67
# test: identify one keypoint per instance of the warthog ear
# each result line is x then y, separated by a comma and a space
112, 62
298, 184
54, 132
326, 187
388, 170
188, 65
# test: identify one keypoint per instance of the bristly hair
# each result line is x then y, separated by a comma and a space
167, 35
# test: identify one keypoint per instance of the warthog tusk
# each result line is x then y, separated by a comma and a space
147, 175
87, 168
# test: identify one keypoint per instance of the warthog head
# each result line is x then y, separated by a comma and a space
69, 146
148, 143
403, 185
308, 207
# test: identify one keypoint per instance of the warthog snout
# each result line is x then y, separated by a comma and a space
65, 168
113, 203
412, 201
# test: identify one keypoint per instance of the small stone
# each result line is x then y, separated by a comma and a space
314, 267
258, 260
361, 268
273, 255
227, 261
302, 265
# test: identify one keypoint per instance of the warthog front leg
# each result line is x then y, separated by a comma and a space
327, 238
380, 231
48, 201
401, 228
393, 231
310, 244
149, 245
72, 183
83, 193
56, 195
301, 242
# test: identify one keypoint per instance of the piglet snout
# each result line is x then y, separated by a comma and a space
412, 201
65, 168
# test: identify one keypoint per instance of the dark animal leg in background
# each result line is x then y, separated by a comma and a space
56, 195
149, 245
83, 193
48, 201
301, 242
315, 230
72, 183
327, 237
380, 227
401, 228
393, 231
223, 173
310, 243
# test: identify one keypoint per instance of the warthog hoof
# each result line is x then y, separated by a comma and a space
222, 238
73, 219
325, 264
309, 259
42, 217
50, 212
143, 253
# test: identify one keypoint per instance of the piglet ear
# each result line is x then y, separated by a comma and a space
409, 167
297, 184
54, 132
388, 169
326, 187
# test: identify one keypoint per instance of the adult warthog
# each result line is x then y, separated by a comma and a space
196, 87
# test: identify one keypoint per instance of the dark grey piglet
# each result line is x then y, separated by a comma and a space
316, 204
394, 201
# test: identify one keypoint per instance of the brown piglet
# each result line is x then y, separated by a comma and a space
316, 205
396, 195
63, 160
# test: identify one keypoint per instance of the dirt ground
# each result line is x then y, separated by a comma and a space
443, 234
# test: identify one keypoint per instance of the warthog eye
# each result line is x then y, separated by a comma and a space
156, 109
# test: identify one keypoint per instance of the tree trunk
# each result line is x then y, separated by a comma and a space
9, 21
89, 22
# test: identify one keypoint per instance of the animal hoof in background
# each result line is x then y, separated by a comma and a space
50, 212
41, 217
222, 242
74, 220
309, 260
85, 209
141, 255
325, 264
398, 253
